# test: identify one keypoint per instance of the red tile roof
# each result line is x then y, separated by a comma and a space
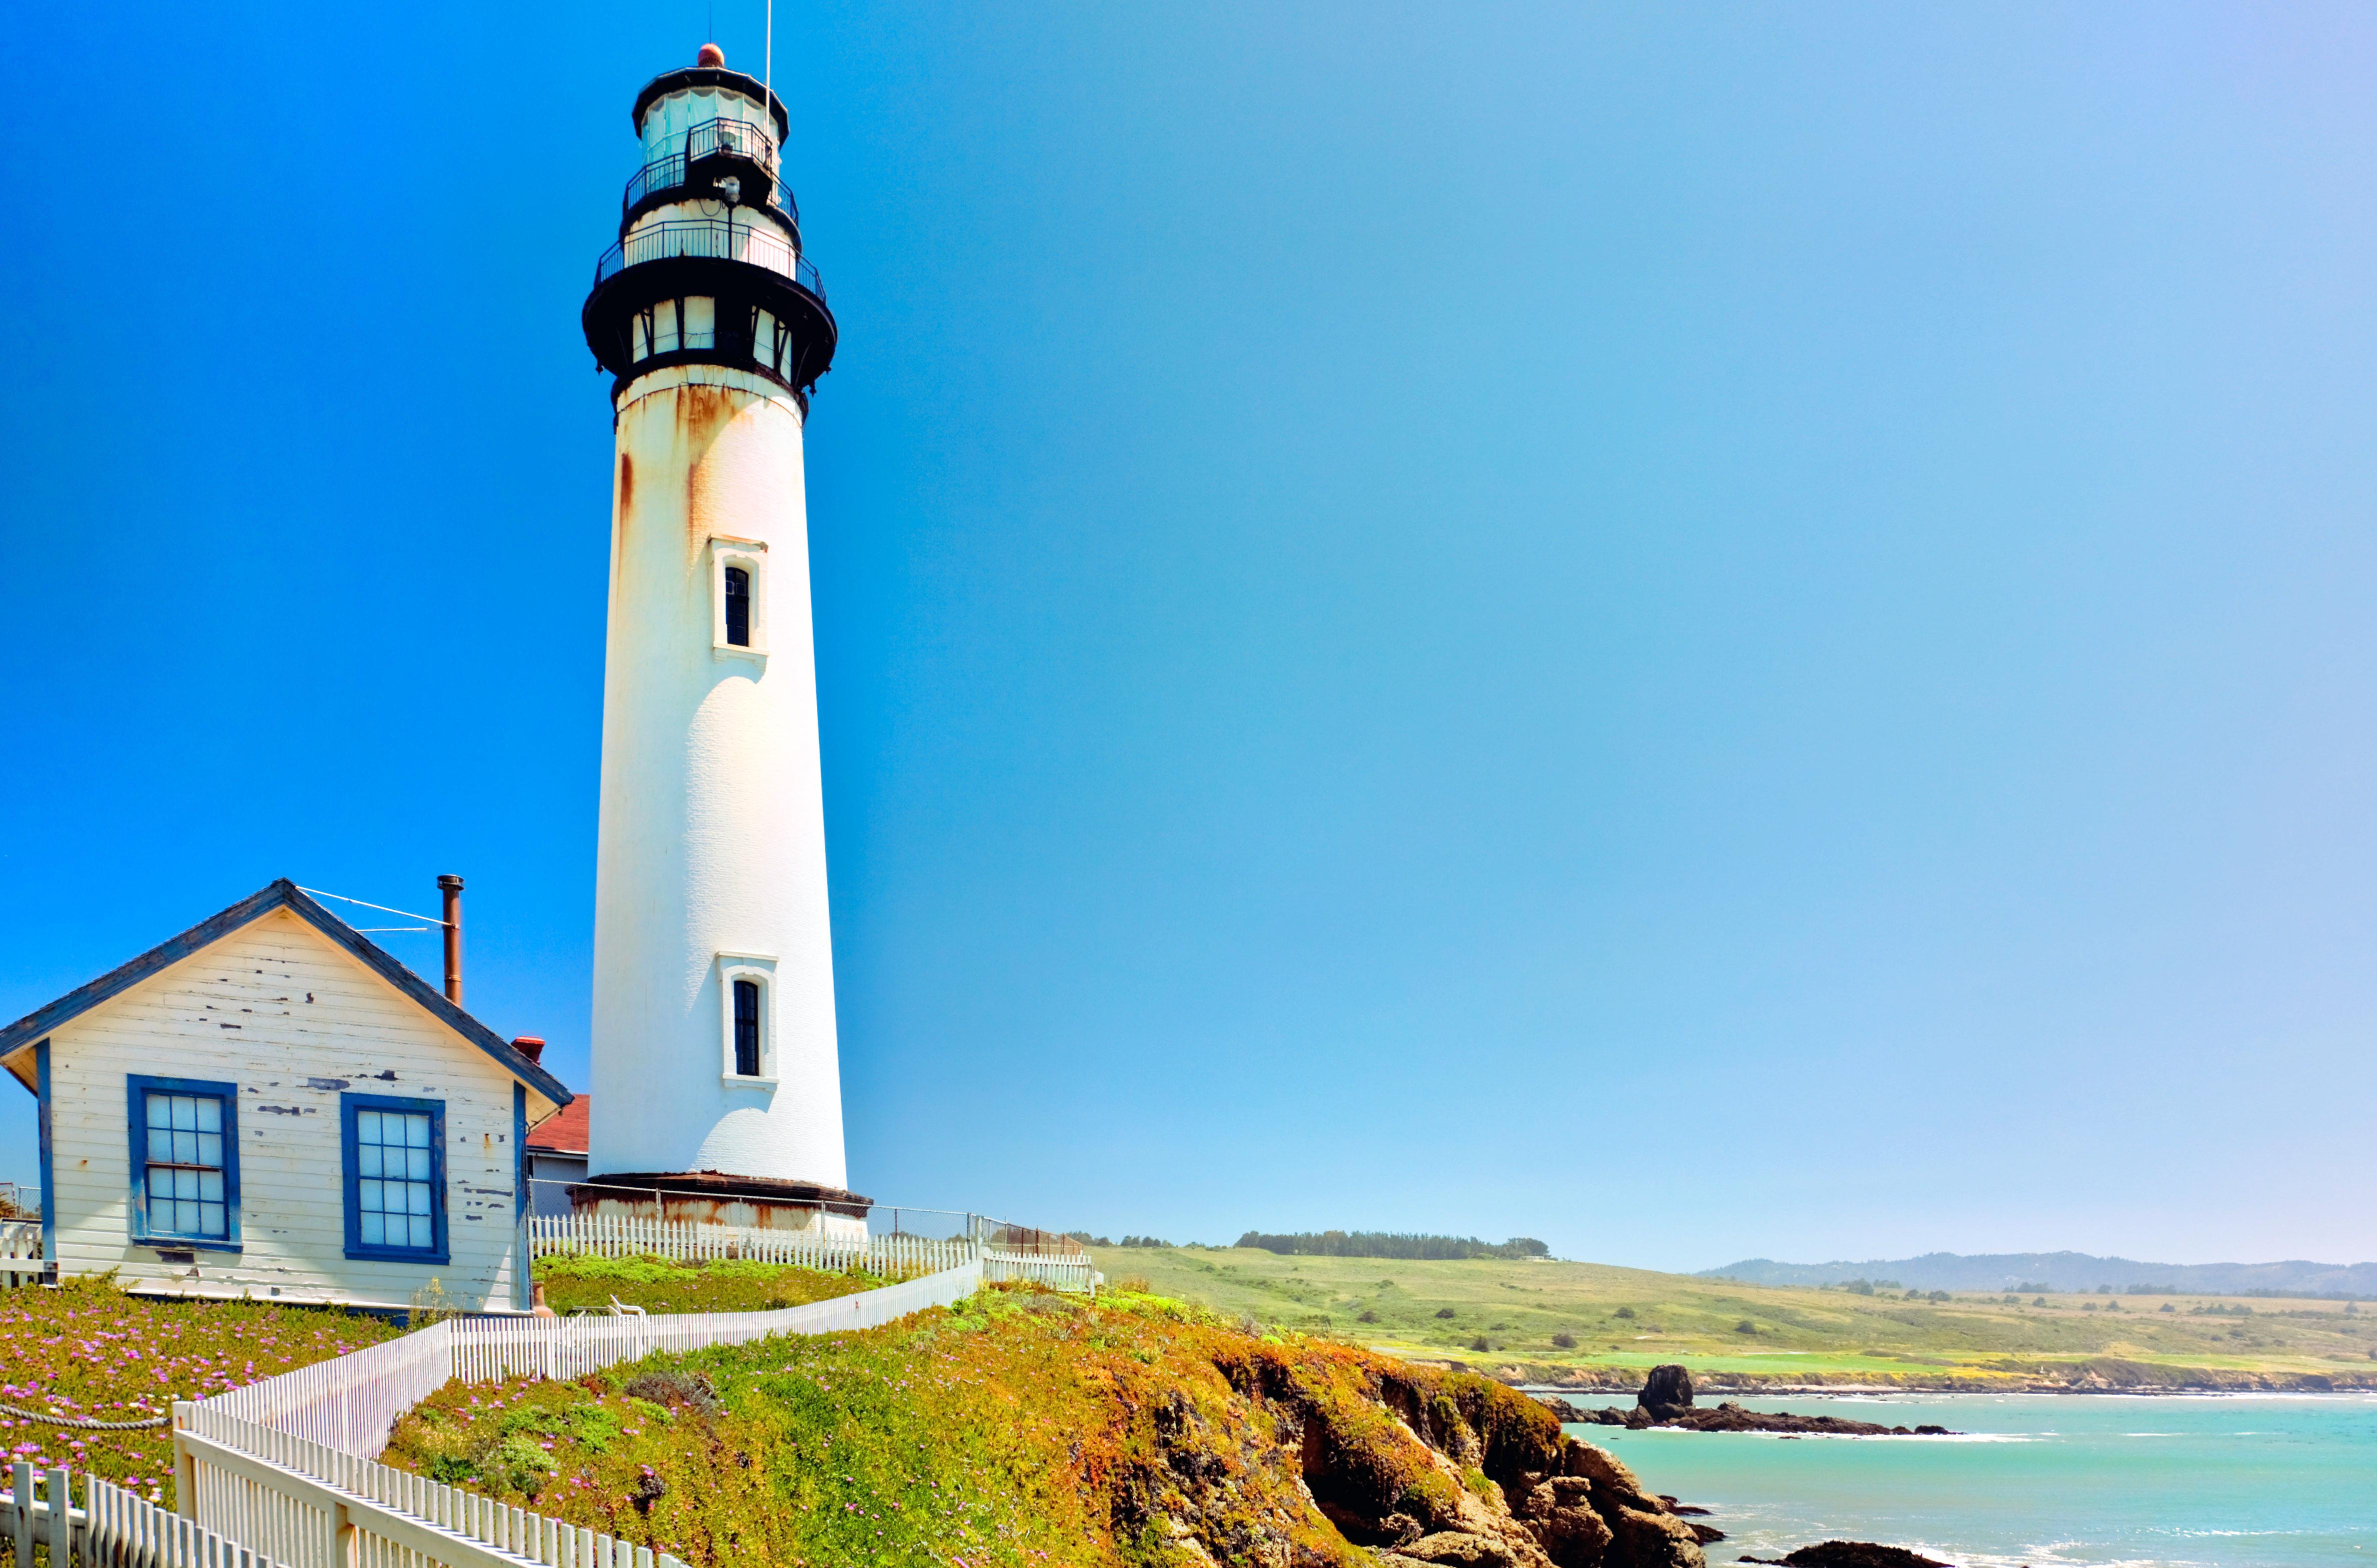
564, 1134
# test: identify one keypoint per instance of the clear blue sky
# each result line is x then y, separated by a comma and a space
1692, 632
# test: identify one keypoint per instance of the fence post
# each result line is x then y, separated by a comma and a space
20, 1476
185, 1469
61, 1519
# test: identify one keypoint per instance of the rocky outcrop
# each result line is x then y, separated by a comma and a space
1666, 1401
1852, 1554
1732, 1417
1666, 1393
1593, 1513
1445, 1470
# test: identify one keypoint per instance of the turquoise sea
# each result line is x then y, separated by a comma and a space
2282, 1480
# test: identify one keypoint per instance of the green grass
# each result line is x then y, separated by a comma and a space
657, 1285
1624, 1320
1019, 1430
89, 1349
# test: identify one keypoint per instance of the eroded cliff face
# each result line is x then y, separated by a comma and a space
1417, 1466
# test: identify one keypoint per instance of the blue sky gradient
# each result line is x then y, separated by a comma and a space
1692, 632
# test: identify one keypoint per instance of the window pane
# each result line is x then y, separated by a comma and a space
185, 1184
211, 1187
210, 1114
394, 1197
738, 607
211, 1148
161, 1182
160, 1109
185, 1112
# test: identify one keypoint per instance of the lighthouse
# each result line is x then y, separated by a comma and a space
716, 1072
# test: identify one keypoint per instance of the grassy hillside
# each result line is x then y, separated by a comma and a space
1622, 1321
1023, 1429
658, 1285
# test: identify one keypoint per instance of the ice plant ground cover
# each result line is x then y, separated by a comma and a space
940, 1438
89, 1349
1018, 1429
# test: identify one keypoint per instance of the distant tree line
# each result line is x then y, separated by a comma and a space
1391, 1244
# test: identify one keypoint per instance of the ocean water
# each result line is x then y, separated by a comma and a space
2269, 1480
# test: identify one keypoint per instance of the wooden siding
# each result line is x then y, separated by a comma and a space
293, 1020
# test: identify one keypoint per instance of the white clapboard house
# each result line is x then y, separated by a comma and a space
270, 1106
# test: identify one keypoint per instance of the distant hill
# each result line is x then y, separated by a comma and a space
2064, 1271
1388, 1244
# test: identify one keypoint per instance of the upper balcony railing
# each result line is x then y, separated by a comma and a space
722, 238
709, 139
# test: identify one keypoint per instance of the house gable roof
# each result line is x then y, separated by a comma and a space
284, 895
564, 1132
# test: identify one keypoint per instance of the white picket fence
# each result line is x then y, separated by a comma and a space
895, 1256
285, 1471
1057, 1271
311, 1506
113, 1527
287, 1466
21, 1254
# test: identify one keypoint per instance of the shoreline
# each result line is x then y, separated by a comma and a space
1821, 1390
2101, 1375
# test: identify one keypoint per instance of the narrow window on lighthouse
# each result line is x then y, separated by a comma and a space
739, 628
738, 600
747, 1028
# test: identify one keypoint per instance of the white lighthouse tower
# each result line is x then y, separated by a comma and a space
716, 1078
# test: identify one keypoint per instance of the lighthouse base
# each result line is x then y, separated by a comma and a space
710, 1197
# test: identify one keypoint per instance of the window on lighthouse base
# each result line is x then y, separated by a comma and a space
746, 994
747, 1028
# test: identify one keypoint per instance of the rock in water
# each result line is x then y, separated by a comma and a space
1666, 1393
1729, 1417
1859, 1554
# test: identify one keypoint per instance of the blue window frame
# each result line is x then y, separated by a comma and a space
394, 1154
185, 1145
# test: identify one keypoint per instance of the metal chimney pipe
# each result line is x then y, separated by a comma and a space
451, 885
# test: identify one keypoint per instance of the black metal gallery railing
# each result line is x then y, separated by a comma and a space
709, 139
713, 238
